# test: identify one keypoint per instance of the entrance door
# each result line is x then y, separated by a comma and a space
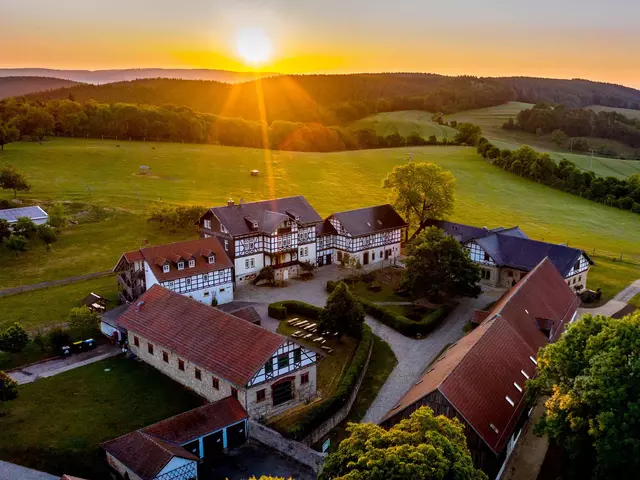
365, 258
285, 274
213, 446
236, 435
320, 261
328, 259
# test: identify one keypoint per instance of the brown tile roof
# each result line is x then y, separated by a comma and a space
200, 421
478, 316
199, 250
231, 348
478, 372
368, 220
249, 314
145, 454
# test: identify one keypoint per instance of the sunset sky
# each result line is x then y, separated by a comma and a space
595, 39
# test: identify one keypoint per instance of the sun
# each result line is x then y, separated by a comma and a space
254, 46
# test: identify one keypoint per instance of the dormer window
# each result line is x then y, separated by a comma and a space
192, 263
166, 268
212, 259
255, 224
207, 224
180, 265
223, 229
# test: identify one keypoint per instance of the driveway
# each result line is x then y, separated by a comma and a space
11, 471
413, 355
59, 365
616, 304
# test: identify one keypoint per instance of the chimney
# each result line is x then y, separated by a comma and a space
230, 202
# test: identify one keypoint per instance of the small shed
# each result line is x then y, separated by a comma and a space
95, 302
35, 213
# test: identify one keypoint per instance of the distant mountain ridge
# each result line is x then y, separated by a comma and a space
98, 77
18, 86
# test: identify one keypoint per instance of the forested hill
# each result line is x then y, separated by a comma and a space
15, 86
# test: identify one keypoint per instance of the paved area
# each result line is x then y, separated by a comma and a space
616, 304
59, 365
413, 355
11, 471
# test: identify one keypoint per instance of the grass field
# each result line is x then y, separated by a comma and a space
405, 123
491, 120
57, 424
208, 175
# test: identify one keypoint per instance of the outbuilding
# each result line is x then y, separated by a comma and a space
35, 213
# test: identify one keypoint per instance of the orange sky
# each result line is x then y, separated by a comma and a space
553, 39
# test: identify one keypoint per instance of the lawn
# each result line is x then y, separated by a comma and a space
62, 169
57, 424
405, 123
635, 300
51, 306
611, 275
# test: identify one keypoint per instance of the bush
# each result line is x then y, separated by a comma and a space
8, 387
319, 414
59, 338
267, 274
331, 286
277, 311
402, 324
280, 310
14, 339
374, 287
85, 321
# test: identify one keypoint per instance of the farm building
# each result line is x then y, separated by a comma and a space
36, 214
199, 269
481, 379
505, 255
171, 448
217, 354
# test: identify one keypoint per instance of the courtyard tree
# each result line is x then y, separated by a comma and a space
84, 321
592, 378
16, 243
422, 446
8, 134
437, 264
421, 191
12, 179
343, 313
8, 387
14, 339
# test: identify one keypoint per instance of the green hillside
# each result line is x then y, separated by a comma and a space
405, 123
627, 112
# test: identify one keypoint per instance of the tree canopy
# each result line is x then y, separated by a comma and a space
12, 179
437, 264
421, 191
343, 313
84, 321
14, 339
424, 446
592, 377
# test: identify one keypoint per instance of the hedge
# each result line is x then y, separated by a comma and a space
405, 326
331, 286
323, 412
280, 310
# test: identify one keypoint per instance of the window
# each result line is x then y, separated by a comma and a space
306, 251
188, 282
524, 374
198, 374
181, 365
261, 395
234, 393
576, 266
207, 224
252, 245
283, 360
511, 402
493, 427
215, 383
171, 284
246, 263
205, 294
166, 268
580, 278
533, 360
510, 273
212, 259
268, 367
297, 355
180, 265
301, 252
192, 263
223, 229
136, 341
517, 386
373, 256
304, 378
165, 357
205, 277
487, 258
253, 263
150, 348
226, 245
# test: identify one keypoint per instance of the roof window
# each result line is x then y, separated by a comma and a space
212, 259
517, 386
511, 402
524, 374
493, 427
180, 265
192, 263
533, 360
166, 268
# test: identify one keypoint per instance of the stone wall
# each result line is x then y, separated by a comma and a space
289, 448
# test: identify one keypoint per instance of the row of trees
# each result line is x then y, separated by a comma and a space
566, 176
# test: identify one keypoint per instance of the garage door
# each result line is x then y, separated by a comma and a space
193, 447
236, 435
213, 446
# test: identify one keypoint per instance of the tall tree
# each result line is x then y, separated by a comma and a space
592, 376
421, 191
343, 313
12, 179
84, 321
423, 446
437, 264
14, 339
8, 134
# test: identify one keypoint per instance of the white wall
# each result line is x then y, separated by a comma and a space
108, 330
242, 270
223, 293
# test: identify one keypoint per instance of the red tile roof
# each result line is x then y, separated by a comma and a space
199, 250
478, 372
227, 346
200, 421
146, 455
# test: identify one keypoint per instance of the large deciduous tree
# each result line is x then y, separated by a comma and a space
421, 191
437, 264
12, 179
422, 446
592, 377
343, 313
14, 339
8, 134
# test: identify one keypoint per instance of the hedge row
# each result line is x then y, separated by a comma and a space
404, 325
280, 310
324, 411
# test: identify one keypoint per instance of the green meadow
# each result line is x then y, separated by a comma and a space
405, 123
107, 173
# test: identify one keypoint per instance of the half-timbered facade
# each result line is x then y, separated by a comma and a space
370, 235
217, 354
506, 255
280, 233
481, 378
199, 269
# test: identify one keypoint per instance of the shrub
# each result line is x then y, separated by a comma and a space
85, 321
282, 309
16, 243
402, 324
14, 339
59, 338
374, 287
277, 311
331, 286
267, 274
8, 387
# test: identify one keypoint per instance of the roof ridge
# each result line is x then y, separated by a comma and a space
363, 208
257, 201
193, 240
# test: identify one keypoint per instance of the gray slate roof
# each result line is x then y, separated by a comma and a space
268, 213
368, 220
12, 215
464, 233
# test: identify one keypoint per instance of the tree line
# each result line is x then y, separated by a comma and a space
21, 119
565, 176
